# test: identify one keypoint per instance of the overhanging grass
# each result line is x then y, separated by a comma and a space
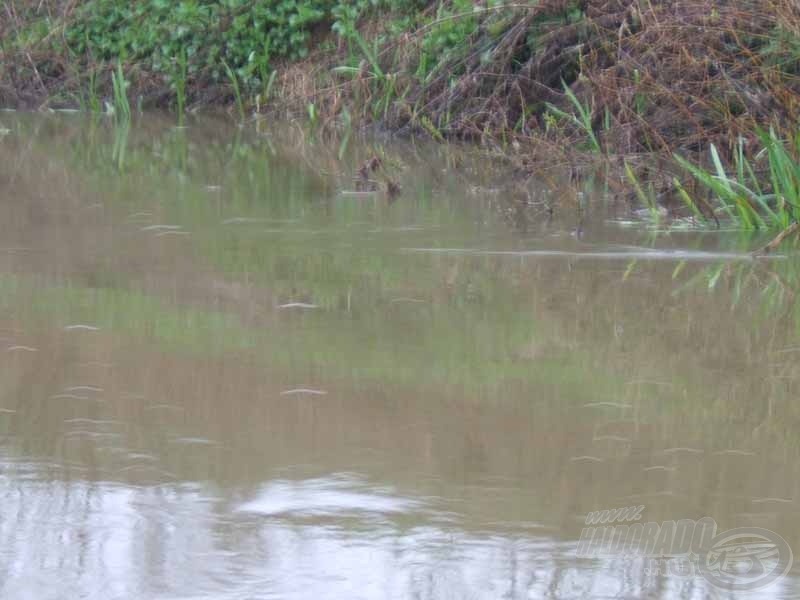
758, 194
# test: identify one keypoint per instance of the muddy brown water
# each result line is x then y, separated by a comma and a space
224, 376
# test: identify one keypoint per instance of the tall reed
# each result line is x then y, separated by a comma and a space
121, 107
179, 81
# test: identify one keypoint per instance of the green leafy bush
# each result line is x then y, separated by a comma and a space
243, 34
448, 34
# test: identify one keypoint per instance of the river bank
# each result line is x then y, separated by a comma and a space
634, 86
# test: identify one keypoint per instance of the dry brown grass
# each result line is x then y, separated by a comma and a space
661, 75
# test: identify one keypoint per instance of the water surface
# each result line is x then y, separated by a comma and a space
226, 375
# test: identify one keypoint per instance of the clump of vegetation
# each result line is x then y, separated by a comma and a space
652, 76
764, 194
548, 81
156, 33
52, 45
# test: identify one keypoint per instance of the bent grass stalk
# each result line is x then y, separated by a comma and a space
236, 91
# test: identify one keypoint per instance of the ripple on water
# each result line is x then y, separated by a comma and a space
638, 254
326, 496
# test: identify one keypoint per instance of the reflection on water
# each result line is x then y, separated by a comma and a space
323, 497
224, 378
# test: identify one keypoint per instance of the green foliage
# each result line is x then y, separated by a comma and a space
783, 50
747, 197
92, 100
202, 35
179, 84
447, 35
236, 91
582, 119
647, 198
121, 106
156, 33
